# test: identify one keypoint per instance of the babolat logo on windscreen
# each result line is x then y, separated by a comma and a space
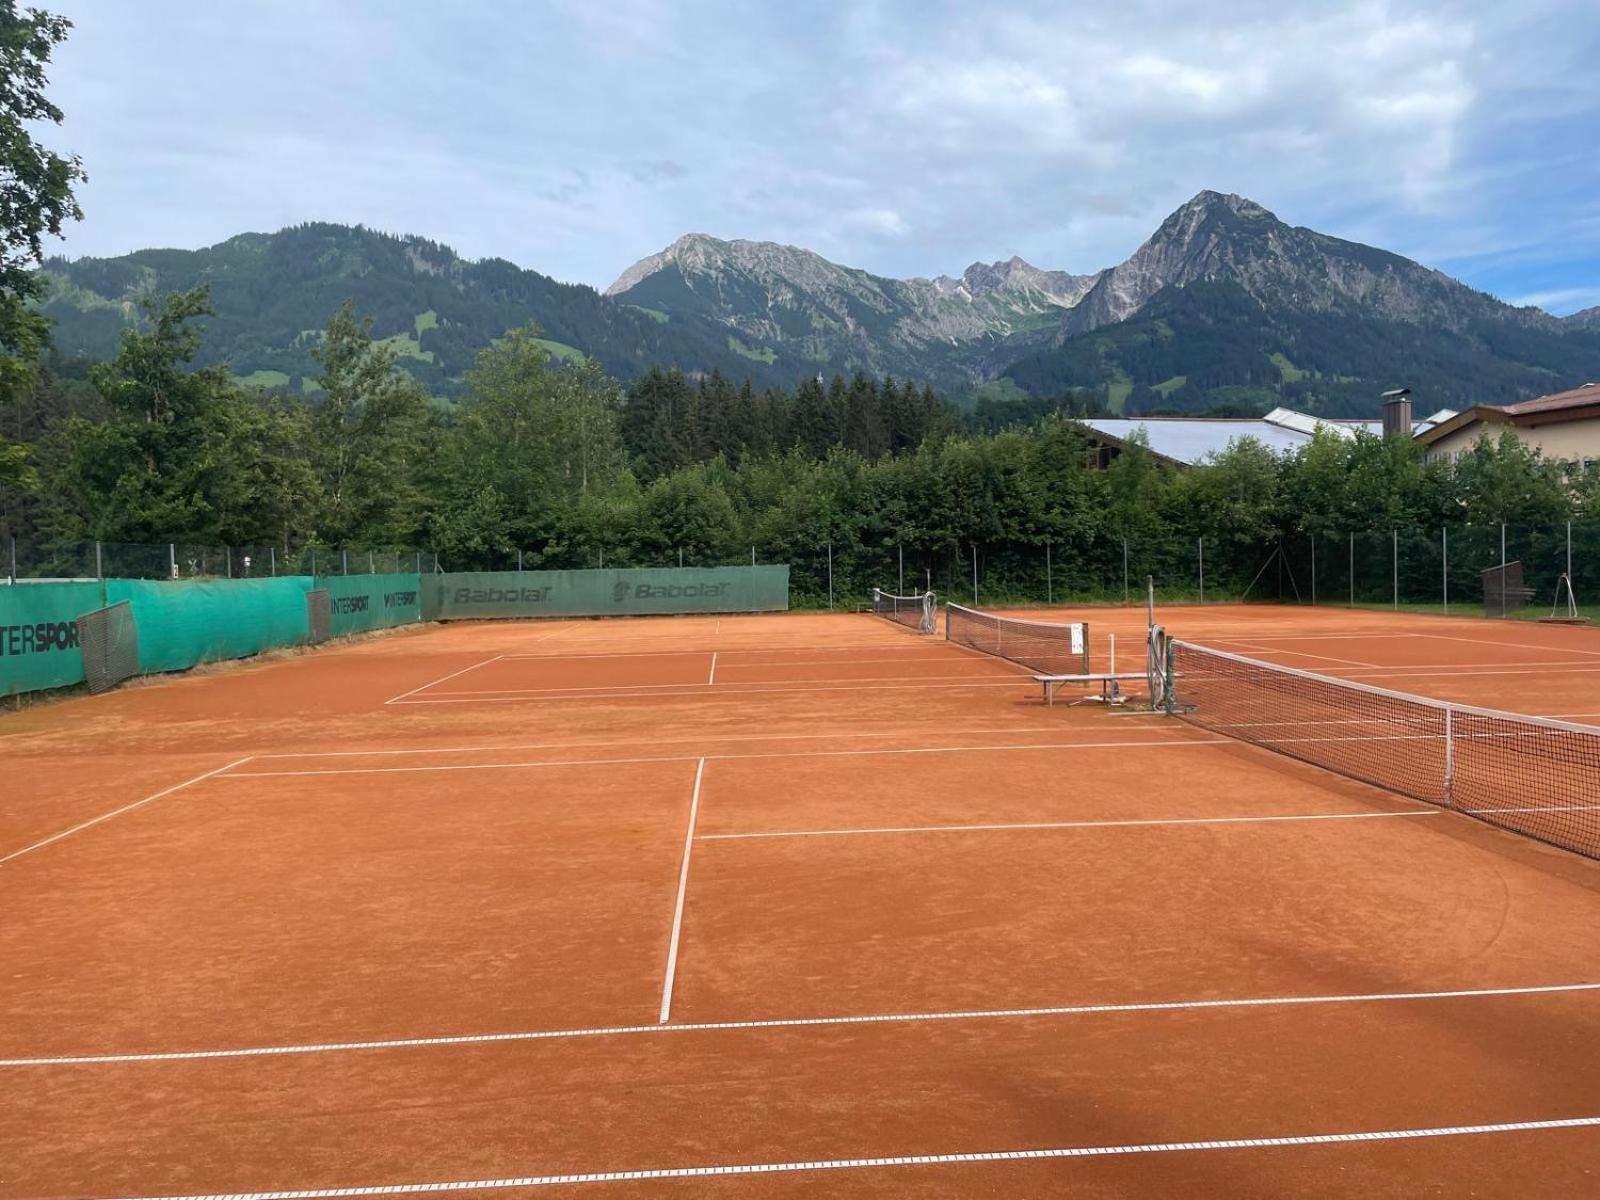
619, 591
351, 604
675, 591
511, 595
399, 599
38, 639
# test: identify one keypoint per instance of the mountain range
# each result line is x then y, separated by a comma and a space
1223, 308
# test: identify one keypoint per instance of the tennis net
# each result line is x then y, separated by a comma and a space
1531, 775
1047, 647
914, 612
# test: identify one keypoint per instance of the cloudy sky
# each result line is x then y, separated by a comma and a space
908, 138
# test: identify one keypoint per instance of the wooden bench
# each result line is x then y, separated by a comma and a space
1109, 681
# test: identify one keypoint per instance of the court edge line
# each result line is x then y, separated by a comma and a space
126, 808
683, 890
906, 1160
444, 679
981, 1014
724, 691
1010, 730
612, 762
790, 833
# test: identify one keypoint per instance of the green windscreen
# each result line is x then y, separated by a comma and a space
39, 634
193, 621
628, 592
363, 602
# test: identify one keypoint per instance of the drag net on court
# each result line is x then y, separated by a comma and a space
1531, 775
1046, 647
914, 612
110, 644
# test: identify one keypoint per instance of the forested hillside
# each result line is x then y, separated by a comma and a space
271, 295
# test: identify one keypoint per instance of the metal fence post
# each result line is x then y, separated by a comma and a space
99, 571
974, 546
1502, 568
1200, 548
1395, 535
519, 559
1125, 570
1352, 568
1049, 578
13, 558
272, 557
344, 559
752, 556
830, 575
680, 558
172, 560
1569, 555
1313, 570
371, 569
900, 586
1444, 569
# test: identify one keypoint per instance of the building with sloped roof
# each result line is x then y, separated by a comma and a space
1186, 441
1563, 427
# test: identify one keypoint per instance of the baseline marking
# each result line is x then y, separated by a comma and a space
726, 691
907, 1160
993, 1014
579, 691
1349, 662
683, 889
402, 696
126, 808
785, 833
605, 762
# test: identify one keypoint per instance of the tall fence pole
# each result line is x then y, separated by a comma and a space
172, 560
1049, 577
371, 568
1569, 556
1395, 535
830, 575
900, 587
272, 557
344, 559
1125, 570
1444, 570
1502, 568
13, 558
1200, 549
519, 559
1352, 569
1313, 570
752, 556
680, 560
974, 573
99, 570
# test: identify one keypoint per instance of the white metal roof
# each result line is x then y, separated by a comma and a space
1190, 439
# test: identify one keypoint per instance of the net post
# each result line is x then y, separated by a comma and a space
1169, 699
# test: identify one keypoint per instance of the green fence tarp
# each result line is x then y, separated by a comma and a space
607, 593
38, 638
193, 621
362, 602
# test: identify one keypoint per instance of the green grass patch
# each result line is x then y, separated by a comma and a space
761, 356
1167, 386
426, 321
1117, 392
655, 314
405, 346
562, 351
1287, 371
263, 379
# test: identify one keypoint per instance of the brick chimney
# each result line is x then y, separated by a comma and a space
1397, 413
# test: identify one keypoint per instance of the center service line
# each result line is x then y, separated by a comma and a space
683, 888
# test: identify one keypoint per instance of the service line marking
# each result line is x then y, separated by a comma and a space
907, 1160
581, 690
126, 808
444, 679
724, 692
789, 833
903, 1018
683, 891
606, 762
1456, 637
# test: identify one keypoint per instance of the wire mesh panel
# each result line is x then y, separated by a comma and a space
1530, 775
1049, 648
110, 644
914, 612
319, 615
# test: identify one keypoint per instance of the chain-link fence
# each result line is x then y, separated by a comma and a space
26, 559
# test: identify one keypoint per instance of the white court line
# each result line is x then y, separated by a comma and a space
126, 808
656, 688
604, 762
1009, 730
1453, 637
1349, 662
725, 692
713, 676
904, 1018
683, 891
790, 833
906, 1160
402, 696
838, 650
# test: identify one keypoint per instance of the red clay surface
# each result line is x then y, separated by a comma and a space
469, 844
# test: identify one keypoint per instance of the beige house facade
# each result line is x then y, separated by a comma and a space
1563, 427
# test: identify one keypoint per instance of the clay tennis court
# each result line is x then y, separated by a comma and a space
781, 906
